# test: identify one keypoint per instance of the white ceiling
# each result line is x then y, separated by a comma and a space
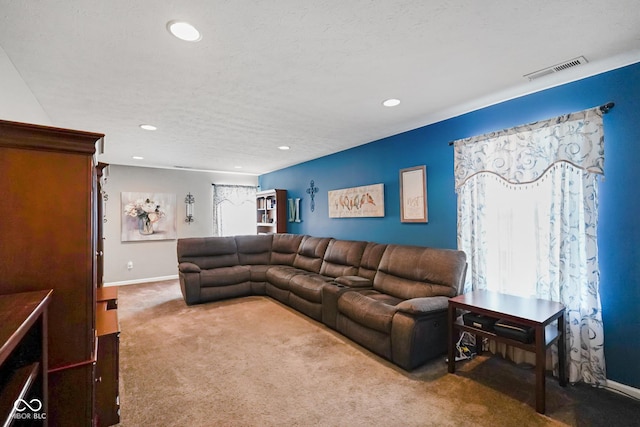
308, 74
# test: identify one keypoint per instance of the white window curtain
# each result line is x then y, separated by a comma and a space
234, 210
527, 219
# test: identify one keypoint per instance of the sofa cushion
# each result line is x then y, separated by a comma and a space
258, 272
224, 276
411, 272
342, 258
285, 248
254, 250
368, 308
371, 259
309, 286
280, 275
310, 253
208, 253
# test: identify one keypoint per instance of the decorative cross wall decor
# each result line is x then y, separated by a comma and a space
312, 190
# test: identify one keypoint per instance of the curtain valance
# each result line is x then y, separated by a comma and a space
522, 154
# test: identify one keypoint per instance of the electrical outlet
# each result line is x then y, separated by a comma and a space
130, 265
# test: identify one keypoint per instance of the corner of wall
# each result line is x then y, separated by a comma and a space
18, 103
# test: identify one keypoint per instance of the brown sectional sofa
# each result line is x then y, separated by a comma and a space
391, 299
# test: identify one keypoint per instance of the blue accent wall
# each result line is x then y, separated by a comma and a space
619, 203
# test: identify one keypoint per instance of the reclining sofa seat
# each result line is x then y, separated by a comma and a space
209, 270
254, 252
284, 252
403, 317
224, 267
363, 279
341, 258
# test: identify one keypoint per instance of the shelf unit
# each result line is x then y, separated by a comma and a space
551, 335
23, 356
271, 211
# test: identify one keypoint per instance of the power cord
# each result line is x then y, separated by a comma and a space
463, 347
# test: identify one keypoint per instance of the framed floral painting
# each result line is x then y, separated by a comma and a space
148, 216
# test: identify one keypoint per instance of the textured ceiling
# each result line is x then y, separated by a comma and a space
308, 74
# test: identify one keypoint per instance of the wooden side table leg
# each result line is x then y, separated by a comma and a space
451, 319
540, 369
562, 351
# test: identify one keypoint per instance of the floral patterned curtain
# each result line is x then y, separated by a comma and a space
565, 154
234, 210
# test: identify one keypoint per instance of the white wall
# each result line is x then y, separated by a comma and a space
17, 103
157, 259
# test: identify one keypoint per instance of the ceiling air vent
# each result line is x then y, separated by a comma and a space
558, 67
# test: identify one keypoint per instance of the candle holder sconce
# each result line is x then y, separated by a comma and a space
189, 201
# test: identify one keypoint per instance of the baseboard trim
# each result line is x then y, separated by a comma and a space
624, 389
138, 281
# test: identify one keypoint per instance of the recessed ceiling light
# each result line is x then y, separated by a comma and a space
237, 167
284, 147
184, 31
148, 127
391, 102
138, 158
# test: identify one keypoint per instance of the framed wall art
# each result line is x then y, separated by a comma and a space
148, 216
413, 194
357, 202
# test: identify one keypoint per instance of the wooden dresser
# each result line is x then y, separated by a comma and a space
48, 240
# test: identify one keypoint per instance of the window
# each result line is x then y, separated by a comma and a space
234, 208
517, 221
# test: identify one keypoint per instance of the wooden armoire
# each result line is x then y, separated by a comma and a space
48, 240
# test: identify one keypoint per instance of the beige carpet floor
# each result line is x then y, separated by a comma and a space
255, 362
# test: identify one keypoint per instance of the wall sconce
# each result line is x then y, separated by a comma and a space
189, 201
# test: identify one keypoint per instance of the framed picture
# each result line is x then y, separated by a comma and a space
148, 216
413, 194
357, 202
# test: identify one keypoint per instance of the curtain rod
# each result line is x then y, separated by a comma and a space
605, 108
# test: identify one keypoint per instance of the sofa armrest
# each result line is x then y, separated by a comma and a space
354, 281
425, 305
188, 267
190, 287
